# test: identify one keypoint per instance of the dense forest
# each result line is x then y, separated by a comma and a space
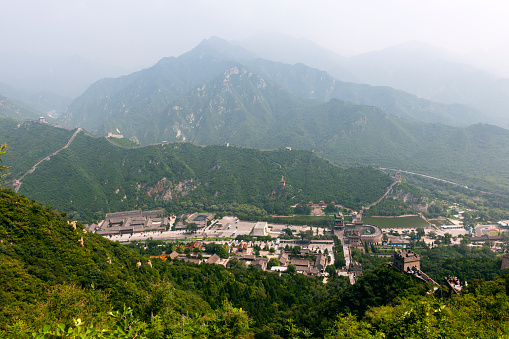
93, 177
56, 278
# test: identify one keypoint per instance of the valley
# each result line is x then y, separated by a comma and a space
222, 193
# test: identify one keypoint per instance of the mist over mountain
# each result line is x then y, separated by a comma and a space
290, 50
414, 67
142, 105
46, 102
14, 110
432, 73
65, 76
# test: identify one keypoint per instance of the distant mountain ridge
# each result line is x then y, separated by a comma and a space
49, 104
414, 67
132, 104
14, 110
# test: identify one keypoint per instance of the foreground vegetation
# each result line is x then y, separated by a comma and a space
51, 284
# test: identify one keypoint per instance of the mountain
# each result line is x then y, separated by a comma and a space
435, 74
24, 139
289, 50
48, 103
139, 97
310, 83
58, 278
14, 110
137, 105
421, 69
92, 176
242, 108
414, 67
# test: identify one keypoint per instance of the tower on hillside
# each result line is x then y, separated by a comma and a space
407, 260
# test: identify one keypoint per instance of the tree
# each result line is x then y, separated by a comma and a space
292, 269
306, 235
331, 208
272, 262
331, 269
222, 251
420, 232
192, 227
302, 209
3, 149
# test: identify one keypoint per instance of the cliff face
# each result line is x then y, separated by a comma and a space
420, 204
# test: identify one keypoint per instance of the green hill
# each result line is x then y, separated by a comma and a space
56, 276
26, 148
218, 94
92, 177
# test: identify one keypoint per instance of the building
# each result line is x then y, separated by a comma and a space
284, 258
200, 220
111, 135
213, 259
242, 248
355, 268
356, 232
261, 263
339, 221
261, 228
131, 222
321, 261
407, 260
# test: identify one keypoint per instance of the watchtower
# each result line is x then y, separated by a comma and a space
407, 260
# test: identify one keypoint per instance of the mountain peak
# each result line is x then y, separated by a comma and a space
219, 48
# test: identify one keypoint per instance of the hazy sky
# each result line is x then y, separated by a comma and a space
137, 33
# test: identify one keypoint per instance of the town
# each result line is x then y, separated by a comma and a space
309, 250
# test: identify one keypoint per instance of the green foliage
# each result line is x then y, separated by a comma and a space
3, 150
102, 178
52, 286
25, 144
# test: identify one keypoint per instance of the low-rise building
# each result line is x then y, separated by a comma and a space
131, 222
261, 228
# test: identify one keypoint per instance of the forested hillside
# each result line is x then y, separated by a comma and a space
55, 276
137, 105
218, 93
29, 143
84, 178
93, 177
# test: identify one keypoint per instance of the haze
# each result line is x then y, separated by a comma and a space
125, 35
